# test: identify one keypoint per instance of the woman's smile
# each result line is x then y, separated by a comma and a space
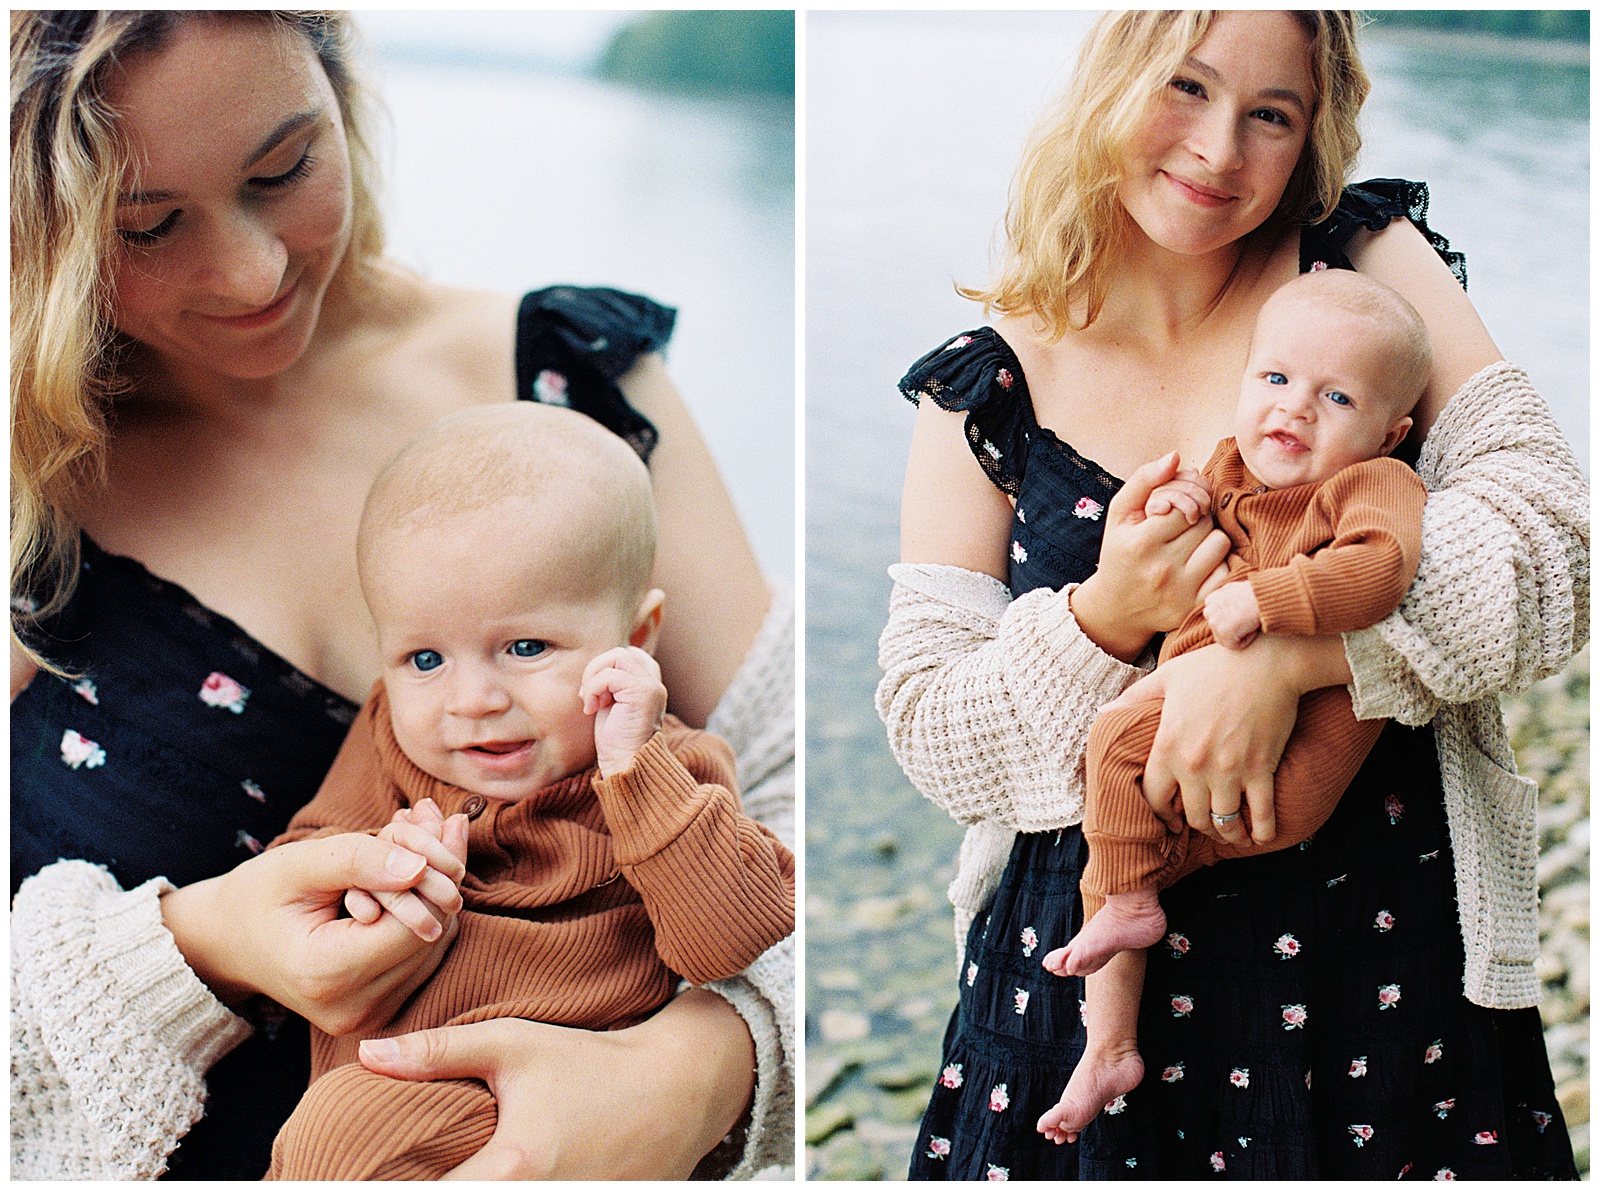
265, 316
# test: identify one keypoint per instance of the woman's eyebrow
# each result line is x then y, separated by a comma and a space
286, 129
1286, 94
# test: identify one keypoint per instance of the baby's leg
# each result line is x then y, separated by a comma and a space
355, 1124
1110, 1066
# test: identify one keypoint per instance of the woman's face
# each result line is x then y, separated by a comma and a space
240, 209
1220, 143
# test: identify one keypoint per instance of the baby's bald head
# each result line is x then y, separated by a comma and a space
558, 479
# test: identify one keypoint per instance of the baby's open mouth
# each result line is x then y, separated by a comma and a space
498, 748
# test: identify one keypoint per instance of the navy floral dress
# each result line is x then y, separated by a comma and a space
1303, 1017
186, 745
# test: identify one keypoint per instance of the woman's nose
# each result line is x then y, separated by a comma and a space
245, 263
1215, 140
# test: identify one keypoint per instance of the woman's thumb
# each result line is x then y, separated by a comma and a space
452, 1052
1146, 478
1152, 686
360, 861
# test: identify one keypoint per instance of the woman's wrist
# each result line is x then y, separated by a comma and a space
202, 930
1101, 620
704, 1049
1309, 663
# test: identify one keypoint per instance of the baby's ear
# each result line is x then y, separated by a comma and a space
647, 622
1396, 436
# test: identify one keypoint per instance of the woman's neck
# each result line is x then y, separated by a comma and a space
1162, 298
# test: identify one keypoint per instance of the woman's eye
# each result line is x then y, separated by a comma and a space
527, 648
1188, 86
1339, 398
427, 659
1272, 116
293, 174
1277, 378
149, 235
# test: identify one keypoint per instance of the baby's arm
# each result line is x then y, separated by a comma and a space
718, 886
1374, 514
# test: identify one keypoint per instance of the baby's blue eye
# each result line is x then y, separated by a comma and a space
1277, 378
427, 659
527, 648
1338, 398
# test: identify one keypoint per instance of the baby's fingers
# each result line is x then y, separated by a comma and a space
413, 912
362, 906
426, 842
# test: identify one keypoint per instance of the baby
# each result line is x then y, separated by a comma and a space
506, 555
1326, 534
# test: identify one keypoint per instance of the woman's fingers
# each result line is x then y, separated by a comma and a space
452, 1052
1258, 796
1161, 790
1225, 803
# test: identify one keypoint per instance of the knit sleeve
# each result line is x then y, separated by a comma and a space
112, 1032
1501, 595
719, 887
988, 702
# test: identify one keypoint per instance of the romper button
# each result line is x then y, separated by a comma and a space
473, 807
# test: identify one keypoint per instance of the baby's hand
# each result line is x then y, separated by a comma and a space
437, 898
1233, 614
622, 689
1186, 493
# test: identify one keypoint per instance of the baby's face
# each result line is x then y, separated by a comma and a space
485, 636
1316, 396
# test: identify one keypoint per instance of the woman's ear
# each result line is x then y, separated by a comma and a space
647, 622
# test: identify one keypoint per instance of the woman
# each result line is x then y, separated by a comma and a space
1185, 178
210, 360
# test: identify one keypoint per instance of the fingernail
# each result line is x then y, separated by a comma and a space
381, 1050
403, 864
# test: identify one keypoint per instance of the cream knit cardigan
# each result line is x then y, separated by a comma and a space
988, 701
112, 1033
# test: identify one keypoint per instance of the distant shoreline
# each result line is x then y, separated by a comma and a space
1535, 49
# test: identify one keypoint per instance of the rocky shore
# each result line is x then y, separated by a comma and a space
879, 948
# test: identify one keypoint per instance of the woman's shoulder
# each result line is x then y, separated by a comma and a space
974, 370
1371, 206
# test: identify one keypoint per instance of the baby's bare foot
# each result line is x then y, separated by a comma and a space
1100, 1077
1127, 922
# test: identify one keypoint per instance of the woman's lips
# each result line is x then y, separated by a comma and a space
266, 316
1204, 196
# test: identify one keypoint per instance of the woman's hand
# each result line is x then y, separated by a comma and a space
272, 926
1153, 570
1210, 753
647, 1102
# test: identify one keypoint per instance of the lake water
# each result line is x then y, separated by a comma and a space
507, 168
914, 123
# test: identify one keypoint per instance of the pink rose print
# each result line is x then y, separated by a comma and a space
1120, 1104
1030, 940
1019, 1001
1172, 1074
1318, 266
1294, 1017
1388, 996
1178, 943
997, 1174
1384, 921
1358, 1067
1287, 946
958, 341
1486, 1138
1240, 1077
551, 388
1540, 1120
1442, 1109
79, 751
219, 690
938, 1147
1445, 1175
1005, 378
1021, 516
1218, 1163
1361, 1134
1182, 1006
1435, 1051
87, 689
245, 840
253, 790
999, 1098
1087, 510
1404, 1170
972, 974
951, 1076
994, 451
1394, 807
1018, 554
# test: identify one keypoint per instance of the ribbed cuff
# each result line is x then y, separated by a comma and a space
649, 804
1283, 601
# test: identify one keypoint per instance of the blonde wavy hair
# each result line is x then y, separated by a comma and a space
67, 164
1065, 228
